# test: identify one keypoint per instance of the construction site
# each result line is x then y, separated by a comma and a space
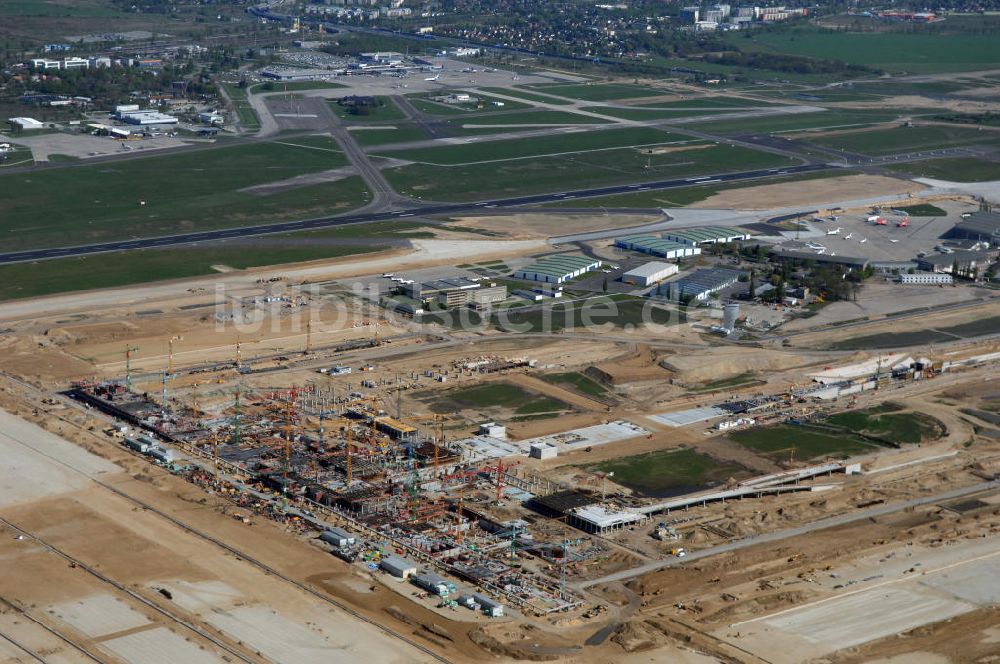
541, 498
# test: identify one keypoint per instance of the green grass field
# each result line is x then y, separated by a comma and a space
667, 473
574, 171
455, 155
499, 395
908, 139
962, 169
923, 210
521, 93
917, 52
387, 112
295, 86
650, 113
59, 8
541, 117
894, 427
402, 132
247, 116
989, 325
821, 120
613, 311
596, 91
808, 443
22, 280
196, 190
578, 382
681, 196
748, 378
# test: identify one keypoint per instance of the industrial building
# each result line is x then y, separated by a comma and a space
558, 269
983, 226
964, 261
433, 583
337, 537
145, 118
456, 292
932, 278
707, 235
649, 273
602, 520
847, 263
654, 246
701, 283
892, 267
397, 566
25, 124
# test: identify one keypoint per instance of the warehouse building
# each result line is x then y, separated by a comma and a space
397, 566
701, 283
433, 583
649, 273
25, 124
559, 268
337, 537
965, 261
983, 226
847, 263
707, 235
929, 278
654, 246
146, 118
457, 292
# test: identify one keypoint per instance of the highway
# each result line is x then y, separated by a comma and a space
369, 217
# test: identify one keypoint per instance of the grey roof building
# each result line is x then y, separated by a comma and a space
978, 226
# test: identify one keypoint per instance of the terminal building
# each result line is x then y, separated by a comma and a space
557, 269
981, 226
654, 246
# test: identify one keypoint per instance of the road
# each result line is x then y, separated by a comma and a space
822, 524
369, 217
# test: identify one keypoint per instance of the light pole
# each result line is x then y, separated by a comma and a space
604, 486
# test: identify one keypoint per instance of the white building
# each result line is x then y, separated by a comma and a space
398, 566
933, 278
144, 118
76, 63
543, 451
649, 273
26, 123
558, 269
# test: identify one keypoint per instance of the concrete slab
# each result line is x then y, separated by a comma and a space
98, 615
682, 418
159, 646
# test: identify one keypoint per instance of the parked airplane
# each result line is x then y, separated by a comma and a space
849, 236
862, 240
835, 231
433, 78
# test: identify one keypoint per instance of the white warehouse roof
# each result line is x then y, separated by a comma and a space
651, 269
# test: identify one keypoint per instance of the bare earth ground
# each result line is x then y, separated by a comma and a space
818, 192
525, 226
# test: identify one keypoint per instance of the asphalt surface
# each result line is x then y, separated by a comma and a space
369, 217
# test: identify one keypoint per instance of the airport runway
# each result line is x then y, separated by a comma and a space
368, 217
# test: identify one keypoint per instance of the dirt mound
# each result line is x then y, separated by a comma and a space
759, 605
722, 363
513, 650
635, 637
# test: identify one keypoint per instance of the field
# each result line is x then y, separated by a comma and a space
616, 311
181, 192
388, 111
398, 133
739, 380
542, 117
498, 395
293, 86
917, 52
917, 337
954, 170
808, 443
20, 280
820, 120
681, 196
576, 171
893, 427
521, 93
651, 113
484, 105
668, 473
923, 210
455, 155
907, 139
577, 381
58, 8
596, 91
248, 117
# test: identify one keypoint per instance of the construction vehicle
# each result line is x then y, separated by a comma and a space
678, 552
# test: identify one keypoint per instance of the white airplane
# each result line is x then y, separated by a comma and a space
433, 78
849, 236
862, 240
835, 231
894, 241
